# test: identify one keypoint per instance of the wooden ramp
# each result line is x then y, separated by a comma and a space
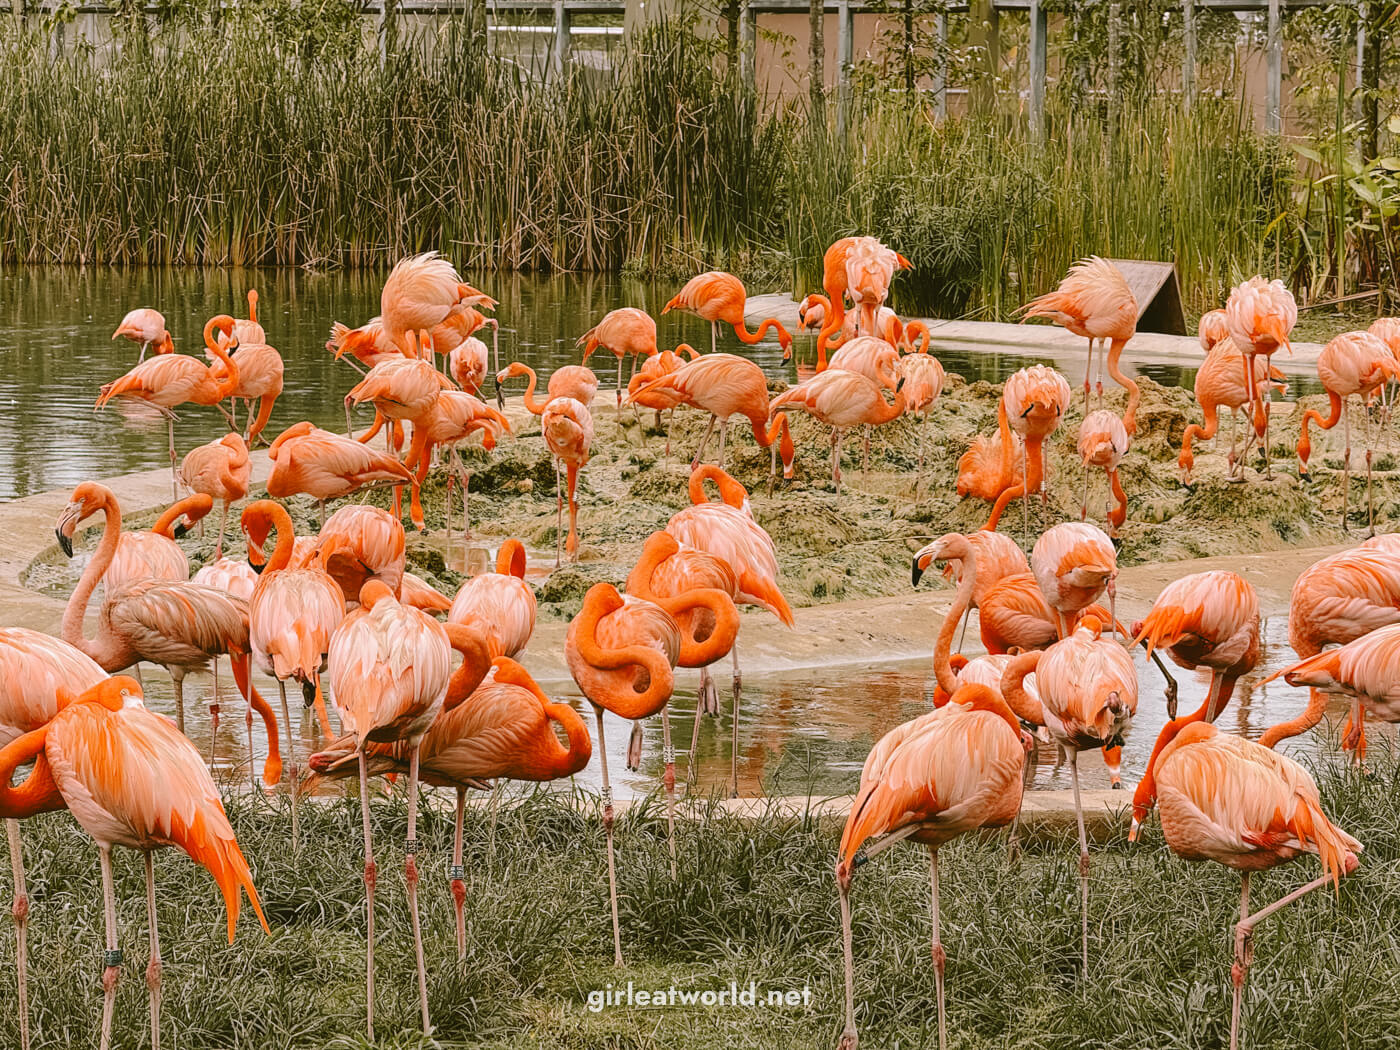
1158, 295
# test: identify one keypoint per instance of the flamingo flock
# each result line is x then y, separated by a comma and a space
407, 682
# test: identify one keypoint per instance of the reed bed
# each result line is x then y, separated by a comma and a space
236, 144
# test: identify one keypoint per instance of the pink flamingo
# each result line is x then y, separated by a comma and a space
221, 471
718, 296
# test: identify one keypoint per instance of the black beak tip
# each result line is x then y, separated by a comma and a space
65, 543
179, 530
257, 569
917, 572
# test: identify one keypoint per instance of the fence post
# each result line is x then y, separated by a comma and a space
1188, 63
1114, 48
748, 44
1037, 70
560, 51
1273, 93
940, 66
844, 47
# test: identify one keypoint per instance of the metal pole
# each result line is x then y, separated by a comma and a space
560, 55
1273, 115
940, 66
843, 63
1037, 70
1188, 64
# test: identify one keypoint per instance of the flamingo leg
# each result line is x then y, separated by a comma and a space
699, 452
1370, 498
1083, 860
1084, 503
1088, 374
940, 957
457, 874
177, 678
1346, 462
448, 514
493, 811
836, 458
1025, 488
865, 456
608, 831
21, 915
144, 346
1170, 688
112, 957
174, 475
214, 715
714, 335
496, 361
153, 967
558, 514
410, 871
291, 761
848, 1034
734, 744
223, 522
1241, 965
619, 386
668, 781
252, 766
371, 875
723, 436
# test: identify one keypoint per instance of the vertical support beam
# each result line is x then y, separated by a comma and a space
559, 54
984, 37
1037, 70
748, 46
1188, 63
816, 57
940, 66
1273, 88
1114, 60
844, 46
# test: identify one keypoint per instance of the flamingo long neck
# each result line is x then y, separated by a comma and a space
889, 410
475, 648
573, 757
286, 540
37, 793
730, 491
194, 506
510, 559
1311, 716
253, 305
531, 405
942, 668
1013, 687
104, 648
1115, 349
226, 385
603, 600
1120, 510
222, 323
1333, 417
1145, 797
754, 336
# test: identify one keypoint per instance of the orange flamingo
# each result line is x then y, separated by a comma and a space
34, 669
841, 400
573, 381
468, 364
1095, 303
1227, 799
718, 296
358, 544
131, 779
453, 417
993, 558
724, 385
1219, 384
168, 380
306, 459
153, 552
812, 311
233, 575
260, 368
419, 294
626, 332
179, 625
247, 329
390, 667
291, 617
1363, 670
418, 593
1074, 563
622, 652
501, 602
872, 357
401, 389
1103, 442
1034, 400
952, 770
1259, 316
1089, 693
870, 267
659, 400
688, 583
367, 344
147, 327
836, 280
1335, 601
1352, 363
991, 465
221, 471
1206, 619
568, 434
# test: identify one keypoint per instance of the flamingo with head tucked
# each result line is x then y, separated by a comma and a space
1103, 442
500, 602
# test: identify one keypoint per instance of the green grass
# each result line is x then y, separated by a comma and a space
755, 901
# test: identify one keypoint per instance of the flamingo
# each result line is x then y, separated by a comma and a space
1363, 670
718, 296
922, 377
419, 294
622, 652
836, 280
358, 544
664, 399
724, 385
292, 616
260, 369
307, 459
990, 465
872, 357
467, 364
567, 426
1335, 601
1259, 316
1207, 619
247, 329
1213, 327
233, 575
1219, 384
221, 471
34, 669
1034, 400
1089, 693
841, 400
367, 344
453, 339
995, 557
418, 593
501, 602
624, 332
452, 418
404, 388
1074, 563
168, 380
699, 590
502, 727
390, 667
147, 327
131, 779
870, 267
1103, 442
812, 311
1230, 800
1352, 363
181, 626
573, 381
153, 552
1095, 303
952, 770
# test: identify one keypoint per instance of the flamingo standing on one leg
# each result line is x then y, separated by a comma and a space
220, 470
1103, 442
147, 327
501, 602
622, 652
1034, 400
1230, 800
1259, 315
841, 400
1088, 689
452, 418
661, 400
568, 434
131, 779
626, 332
260, 376
718, 296
952, 770
1219, 384
1352, 363
922, 376
390, 667
1095, 303
34, 669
